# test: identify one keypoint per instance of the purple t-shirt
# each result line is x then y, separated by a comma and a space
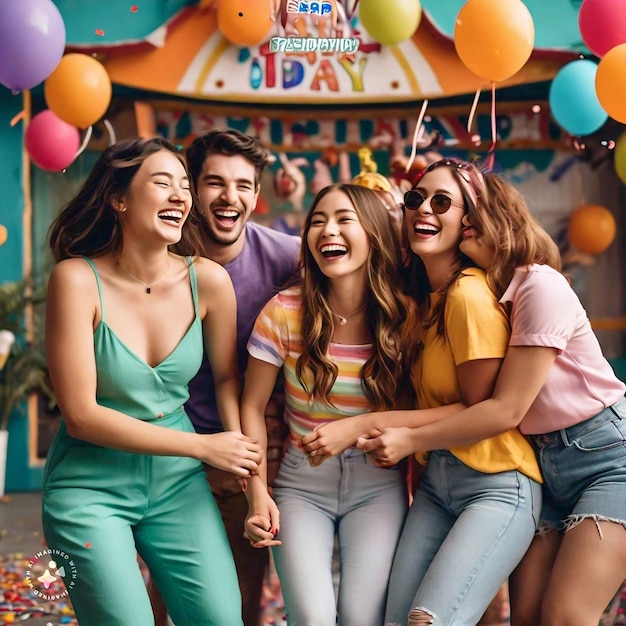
266, 262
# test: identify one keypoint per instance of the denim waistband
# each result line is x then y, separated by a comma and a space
567, 435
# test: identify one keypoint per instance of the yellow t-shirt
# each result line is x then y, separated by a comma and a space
475, 328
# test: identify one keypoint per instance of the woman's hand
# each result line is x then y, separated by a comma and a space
389, 446
332, 438
230, 451
263, 520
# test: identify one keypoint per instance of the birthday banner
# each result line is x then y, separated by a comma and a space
314, 62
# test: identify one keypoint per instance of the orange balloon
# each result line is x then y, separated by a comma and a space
79, 90
591, 228
494, 38
3, 234
611, 82
244, 22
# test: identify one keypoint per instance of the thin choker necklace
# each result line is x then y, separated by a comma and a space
147, 287
343, 319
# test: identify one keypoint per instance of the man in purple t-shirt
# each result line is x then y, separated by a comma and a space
225, 168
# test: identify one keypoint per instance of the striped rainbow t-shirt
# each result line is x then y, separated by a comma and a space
277, 339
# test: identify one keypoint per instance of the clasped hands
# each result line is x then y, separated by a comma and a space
263, 520
384, 447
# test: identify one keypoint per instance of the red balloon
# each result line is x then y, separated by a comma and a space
602, 24
51, 143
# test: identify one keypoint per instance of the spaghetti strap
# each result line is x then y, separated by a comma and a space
194, 284
95, 271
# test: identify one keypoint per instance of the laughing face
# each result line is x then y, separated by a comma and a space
431, 232
158, 199
227, 195
336, 238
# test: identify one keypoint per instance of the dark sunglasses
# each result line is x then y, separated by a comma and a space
439, 202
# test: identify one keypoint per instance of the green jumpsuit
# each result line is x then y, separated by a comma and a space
102, 506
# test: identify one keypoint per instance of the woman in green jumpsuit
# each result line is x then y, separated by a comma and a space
125, 322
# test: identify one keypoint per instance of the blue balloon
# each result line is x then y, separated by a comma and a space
573, 100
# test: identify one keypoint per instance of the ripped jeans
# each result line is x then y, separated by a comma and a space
584, 468
465, 533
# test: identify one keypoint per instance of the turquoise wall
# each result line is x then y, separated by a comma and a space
19, 475
12, 199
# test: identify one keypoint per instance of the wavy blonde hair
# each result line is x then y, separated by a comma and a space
384, 376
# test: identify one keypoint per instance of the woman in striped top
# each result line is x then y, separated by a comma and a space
338, 339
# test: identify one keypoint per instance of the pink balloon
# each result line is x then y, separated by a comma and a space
602, 24
51, 143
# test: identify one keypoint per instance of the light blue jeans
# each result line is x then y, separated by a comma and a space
584, 467
365, 506
465, 533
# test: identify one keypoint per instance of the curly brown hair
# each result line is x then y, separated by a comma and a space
384, 376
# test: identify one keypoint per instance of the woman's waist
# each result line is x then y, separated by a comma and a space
163, 415
570, 433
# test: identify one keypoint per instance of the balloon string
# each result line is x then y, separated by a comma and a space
345, 20
18, 117
85, 142
489, 162
109, 127
416, 136
470, 119
353, 11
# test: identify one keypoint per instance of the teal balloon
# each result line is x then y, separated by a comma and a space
573, 100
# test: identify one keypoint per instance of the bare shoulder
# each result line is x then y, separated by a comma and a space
211, 275
72, 274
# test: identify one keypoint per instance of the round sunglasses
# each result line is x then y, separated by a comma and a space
439, 202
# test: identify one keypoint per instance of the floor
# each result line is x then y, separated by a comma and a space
21, 539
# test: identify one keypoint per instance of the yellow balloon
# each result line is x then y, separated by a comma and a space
591, 228
494, 38
3, 234
611, 82
620, 158
392, 21
79, 90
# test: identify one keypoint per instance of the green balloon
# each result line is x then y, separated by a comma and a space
390, 21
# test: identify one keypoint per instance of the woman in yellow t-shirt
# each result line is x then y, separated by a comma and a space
476, 510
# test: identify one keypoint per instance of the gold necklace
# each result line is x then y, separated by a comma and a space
148, 287
343, 319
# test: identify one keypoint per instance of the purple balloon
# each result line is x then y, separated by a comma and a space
32, 41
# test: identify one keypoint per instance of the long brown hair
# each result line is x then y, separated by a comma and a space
383, 376
89, 225
503, 217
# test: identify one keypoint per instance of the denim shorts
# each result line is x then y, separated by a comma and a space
584, 468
